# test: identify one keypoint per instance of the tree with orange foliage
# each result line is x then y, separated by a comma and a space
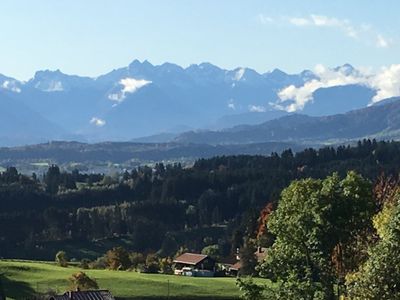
264, 237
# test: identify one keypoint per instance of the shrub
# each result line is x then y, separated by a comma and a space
100, 263
152, 265
118, 259
137, 259
80, 281
84, 263
61, 259
166, 265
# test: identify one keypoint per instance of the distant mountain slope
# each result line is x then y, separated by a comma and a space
338, 100
374, 121
164, 137
249, 118
21, 125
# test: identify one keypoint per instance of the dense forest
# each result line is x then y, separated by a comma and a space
217, 202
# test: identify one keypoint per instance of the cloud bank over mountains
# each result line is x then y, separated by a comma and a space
386, 84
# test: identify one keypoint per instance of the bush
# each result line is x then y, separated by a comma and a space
80, 281
118, 259
166, 265
250, 290
213, 251
84, 263
61, 259
137, 259
100, 263
152, 265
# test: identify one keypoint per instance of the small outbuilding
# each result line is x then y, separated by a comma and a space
235, 268
85, 295
196, 265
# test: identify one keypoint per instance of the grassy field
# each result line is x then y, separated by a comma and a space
24, 278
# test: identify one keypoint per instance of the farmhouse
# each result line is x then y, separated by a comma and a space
85, 295
192, 264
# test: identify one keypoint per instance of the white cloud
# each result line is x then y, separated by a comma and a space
52, 86
257, 108
130, 85
265, 19
231, 104
97, 122
381, 42
11, 85
239, 74
55, 87
386, 83
118, 97
360, 32
325, 21
299, 21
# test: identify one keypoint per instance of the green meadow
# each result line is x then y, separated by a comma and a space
25, 278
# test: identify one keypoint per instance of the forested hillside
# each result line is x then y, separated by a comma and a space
215, 202
376, 121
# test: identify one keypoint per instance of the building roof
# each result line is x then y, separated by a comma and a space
231, 260
261, 253
190, 258
85, 295
236, 266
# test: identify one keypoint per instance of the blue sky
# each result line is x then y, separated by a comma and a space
88, 37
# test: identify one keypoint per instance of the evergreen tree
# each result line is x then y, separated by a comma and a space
52, 179
248, 259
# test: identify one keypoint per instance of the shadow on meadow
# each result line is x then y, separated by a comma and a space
15, 289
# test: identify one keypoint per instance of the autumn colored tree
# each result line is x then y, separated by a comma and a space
379, 276
264, 237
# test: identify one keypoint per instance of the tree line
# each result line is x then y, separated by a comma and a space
215, 203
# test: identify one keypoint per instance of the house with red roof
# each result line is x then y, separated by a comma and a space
193, 264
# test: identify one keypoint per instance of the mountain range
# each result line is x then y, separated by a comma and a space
160, 101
